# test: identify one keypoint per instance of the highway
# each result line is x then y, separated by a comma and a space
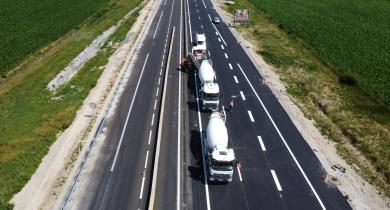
278, 169
122, 177
151, 156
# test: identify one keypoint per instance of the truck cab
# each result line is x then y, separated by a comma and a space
199, 49
210, 96
220, 165
219, 158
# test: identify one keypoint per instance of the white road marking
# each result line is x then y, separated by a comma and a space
142, 188
162, 63
158, 23
276, 180
189, 20
204, 4
242, 96
159, 80
222, 47
219, 39
158, 88
201, 26
151, 123
226, 56
179, 117
209, 17
160, 71
201, 140
146, 159
251, 116
230, 65
128, 115
150, 136
239, 173
209, 53
235, 79
199, 17
261, 143
284, 141
155, 103
217, 32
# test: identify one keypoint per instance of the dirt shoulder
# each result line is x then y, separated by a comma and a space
362, 195
51, 180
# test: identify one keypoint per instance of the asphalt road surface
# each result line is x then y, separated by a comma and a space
151, 158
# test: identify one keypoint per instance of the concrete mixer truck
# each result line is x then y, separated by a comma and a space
220, 159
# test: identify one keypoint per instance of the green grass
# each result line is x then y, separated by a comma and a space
27, 25
29, 117
351, 36
356, 121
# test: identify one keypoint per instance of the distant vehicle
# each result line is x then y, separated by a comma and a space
216, 20
220, 159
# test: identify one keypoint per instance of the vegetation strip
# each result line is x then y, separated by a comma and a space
31, 117
358, 123
351, 36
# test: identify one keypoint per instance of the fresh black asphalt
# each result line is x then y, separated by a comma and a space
120, 188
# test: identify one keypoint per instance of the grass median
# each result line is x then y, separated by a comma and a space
356, 121
31, 117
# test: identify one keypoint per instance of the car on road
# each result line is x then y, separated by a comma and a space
216, 20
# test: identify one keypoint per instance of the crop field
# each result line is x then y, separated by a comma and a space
352, 36
27, 25
30, 116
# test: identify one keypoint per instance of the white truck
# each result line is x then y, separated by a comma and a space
209, 88
220, 159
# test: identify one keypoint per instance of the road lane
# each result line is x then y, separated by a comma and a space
297, 193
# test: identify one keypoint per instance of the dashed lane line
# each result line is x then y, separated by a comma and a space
278, 186
261, 143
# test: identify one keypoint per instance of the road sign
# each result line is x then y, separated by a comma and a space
241, 16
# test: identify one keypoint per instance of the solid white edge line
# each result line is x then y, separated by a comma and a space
201, 140
284, 141
189, 20
158, 23
276, 180
251, 116
142, 188
159, 129
128, 115
146, 159
230, 66
179, 114
242, 96
218, 33
235, 79
261, 143
239, 173
200, 127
